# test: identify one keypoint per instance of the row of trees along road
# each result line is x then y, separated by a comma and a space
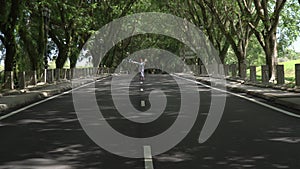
231, 25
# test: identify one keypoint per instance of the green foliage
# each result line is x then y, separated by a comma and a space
255, 54
9, 23
52, 65
289, 69
32, 37
230, 57
289, 26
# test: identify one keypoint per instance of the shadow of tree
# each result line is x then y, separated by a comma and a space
50, 136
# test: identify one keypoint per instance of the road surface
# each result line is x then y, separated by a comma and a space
249, 135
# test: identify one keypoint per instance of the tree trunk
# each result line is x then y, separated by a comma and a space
223, 52
30, 48
271, 55
73, 61
62, 57
10, 54
241, 64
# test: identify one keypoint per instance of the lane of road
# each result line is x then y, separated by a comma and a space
249, 135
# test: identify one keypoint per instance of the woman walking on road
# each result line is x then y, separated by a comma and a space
141, 67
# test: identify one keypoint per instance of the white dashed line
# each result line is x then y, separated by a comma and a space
143, 104
147, 149
148, 157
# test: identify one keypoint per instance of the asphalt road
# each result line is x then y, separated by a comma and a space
249, 135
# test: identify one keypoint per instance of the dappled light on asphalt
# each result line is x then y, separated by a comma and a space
35, 163
249, 136
52, 138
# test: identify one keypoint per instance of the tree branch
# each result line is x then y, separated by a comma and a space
275, 19
257, 34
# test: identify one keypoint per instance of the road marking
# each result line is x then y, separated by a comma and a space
148, 157
47, 99
141, 82
143, 104
246, 98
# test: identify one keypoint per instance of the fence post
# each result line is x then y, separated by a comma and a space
64, 74
233, 70
203, 70
90, 72
50, 76
221, 70
265, 74
45, 76
86, 73
280, 74
195, 70
72, 74
83, 72
22, 82
226, 70
34, 77
68, 74
9, 79
95, 71
253, 74
79, 70
101, 70
57, 74
243, 69
297, 75
76, 73
1, 76
215, 70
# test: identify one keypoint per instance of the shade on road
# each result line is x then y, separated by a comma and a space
249, 135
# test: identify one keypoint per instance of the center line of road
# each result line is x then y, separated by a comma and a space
246, 98
143, 104
148, 157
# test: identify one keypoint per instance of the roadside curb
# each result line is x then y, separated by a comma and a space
15, 101
277, 100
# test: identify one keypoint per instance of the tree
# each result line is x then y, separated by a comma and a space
32, 34
74, 22
289, 27
199, 15
63, 27
105, 13
10, 12
232, 18
266, 34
